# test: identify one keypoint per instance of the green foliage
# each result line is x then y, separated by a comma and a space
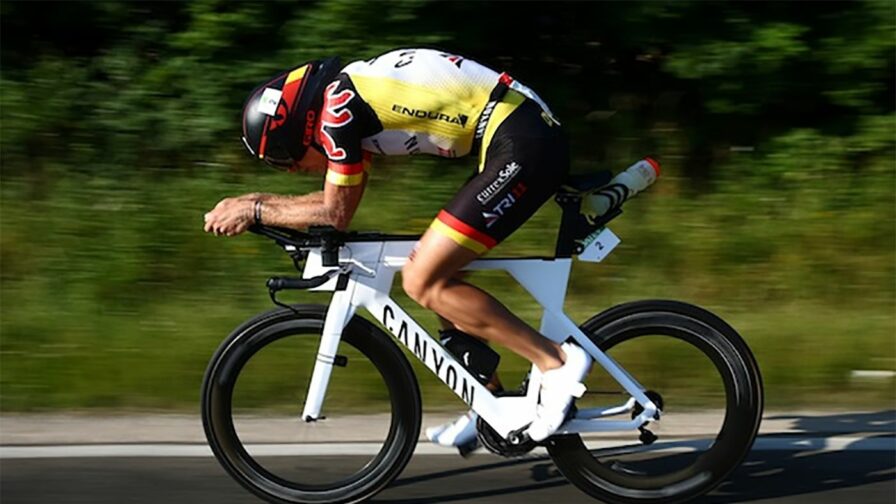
775, 123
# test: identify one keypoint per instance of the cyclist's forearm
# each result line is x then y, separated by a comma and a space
299, 212
315, 197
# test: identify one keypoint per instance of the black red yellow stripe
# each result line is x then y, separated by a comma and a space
345, 174
462, 233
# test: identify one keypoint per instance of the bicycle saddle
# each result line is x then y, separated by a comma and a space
586, 181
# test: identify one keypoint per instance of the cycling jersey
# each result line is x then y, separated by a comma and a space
423, 101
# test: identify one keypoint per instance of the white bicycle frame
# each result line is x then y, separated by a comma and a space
370, 268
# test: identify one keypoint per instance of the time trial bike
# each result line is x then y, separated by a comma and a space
684, 391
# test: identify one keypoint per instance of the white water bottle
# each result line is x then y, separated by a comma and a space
626, 184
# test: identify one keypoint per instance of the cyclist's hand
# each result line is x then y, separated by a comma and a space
230, 217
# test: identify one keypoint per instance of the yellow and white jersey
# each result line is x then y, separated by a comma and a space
407, 101
413, 101
427, 101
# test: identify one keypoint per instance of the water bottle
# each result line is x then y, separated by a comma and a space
626, 184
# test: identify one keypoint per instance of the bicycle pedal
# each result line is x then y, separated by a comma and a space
646, 437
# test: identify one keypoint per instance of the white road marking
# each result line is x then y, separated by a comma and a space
796, 444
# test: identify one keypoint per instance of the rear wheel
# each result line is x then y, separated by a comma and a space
254, 392
708, 383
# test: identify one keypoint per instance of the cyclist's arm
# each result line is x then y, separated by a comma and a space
317, 197
334, 206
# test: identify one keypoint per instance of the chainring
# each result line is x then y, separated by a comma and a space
496, 444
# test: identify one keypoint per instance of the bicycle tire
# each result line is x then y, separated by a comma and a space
246, 340
743, 412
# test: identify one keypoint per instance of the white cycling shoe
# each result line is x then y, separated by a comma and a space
559, 387
459, 433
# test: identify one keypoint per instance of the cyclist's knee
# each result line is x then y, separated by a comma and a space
419, 286
432, 265
414, 285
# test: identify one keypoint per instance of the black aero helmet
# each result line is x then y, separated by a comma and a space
279, 116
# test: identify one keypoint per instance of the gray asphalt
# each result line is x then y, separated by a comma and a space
804, 466
766, 476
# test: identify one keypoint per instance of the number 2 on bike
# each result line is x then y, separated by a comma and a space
359, 269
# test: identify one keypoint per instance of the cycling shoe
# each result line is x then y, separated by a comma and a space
559, 387
459, 433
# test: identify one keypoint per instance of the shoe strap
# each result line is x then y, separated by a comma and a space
575, 389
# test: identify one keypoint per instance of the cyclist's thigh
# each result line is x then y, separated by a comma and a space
437, 257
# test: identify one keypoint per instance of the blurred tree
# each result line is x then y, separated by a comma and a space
119, 125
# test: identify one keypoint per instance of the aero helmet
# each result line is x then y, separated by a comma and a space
279, 116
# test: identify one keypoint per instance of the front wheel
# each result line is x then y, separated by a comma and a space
708, 384
254, 391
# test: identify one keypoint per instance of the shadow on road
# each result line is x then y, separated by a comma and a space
763, 475
844, 424
803, 470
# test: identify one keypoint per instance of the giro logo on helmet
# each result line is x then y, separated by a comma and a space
335, 114
308, 136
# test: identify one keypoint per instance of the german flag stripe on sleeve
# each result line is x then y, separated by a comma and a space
462, 233
345, 174
344, 180
346, 169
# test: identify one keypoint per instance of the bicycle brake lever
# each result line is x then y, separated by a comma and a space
277, 284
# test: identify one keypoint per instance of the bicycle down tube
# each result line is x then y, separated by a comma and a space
546, 280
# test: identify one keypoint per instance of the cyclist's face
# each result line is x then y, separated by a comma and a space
312, 162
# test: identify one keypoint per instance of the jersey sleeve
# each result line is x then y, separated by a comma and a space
345, 120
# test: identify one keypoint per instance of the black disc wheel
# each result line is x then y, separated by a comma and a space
254, 392
708, 384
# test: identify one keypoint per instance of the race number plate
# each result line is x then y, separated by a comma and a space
598, 245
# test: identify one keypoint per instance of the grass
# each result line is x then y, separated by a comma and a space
112, 298
154, 358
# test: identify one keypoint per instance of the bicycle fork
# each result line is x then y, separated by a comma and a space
341, 310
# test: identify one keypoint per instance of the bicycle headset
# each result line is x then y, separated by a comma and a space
280, 115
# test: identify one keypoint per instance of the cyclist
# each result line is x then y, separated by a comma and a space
323, 118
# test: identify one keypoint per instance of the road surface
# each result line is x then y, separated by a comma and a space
818, 458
